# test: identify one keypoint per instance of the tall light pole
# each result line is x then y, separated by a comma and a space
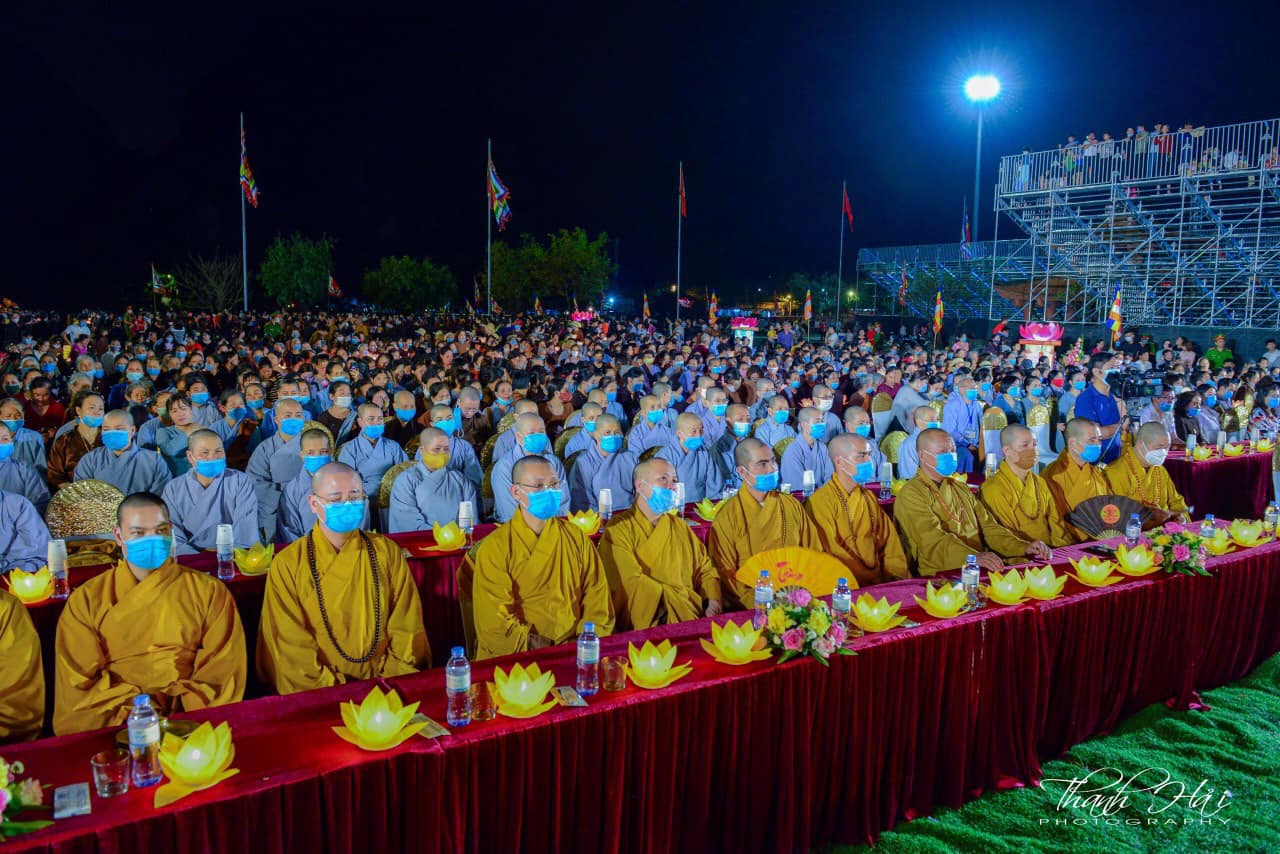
980, 88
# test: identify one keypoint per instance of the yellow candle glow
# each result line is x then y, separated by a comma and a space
521, 693
876, 615
199, 761
1135, 561
1094, 572
587, 520
652, 666
380, 722
31, 587
1009, 588
1044, 583
735, 644
942, 601
1245, 532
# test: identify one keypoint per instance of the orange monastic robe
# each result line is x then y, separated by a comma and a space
21, 676
744, 528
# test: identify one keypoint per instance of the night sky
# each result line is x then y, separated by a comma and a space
370, 126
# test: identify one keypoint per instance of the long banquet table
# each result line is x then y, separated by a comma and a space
762, 757
1229, 487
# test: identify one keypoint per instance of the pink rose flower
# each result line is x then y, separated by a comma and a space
800, 597
793, 640
4, 799
837, 634
1181, 552
824, 647
31, 794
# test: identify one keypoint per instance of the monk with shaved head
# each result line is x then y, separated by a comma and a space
208, 495
1141, 475
340, 603
1074, 476
1018, 497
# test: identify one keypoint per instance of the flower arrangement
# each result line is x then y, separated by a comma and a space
17, 797
1075, 356
1179, 551
800, 625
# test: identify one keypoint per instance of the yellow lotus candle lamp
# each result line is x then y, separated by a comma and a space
199, 761
449, 537
521, 693
31, 587
707, 509
1094, 572
943, 601
895, 486
587, 520
654, 666
1264, 445
1246, 533
1231, 449
1202, 452
1008, 588
1136, 561
1220, 543
1044, 583
380, 722
876, 615
734, 644
256, 559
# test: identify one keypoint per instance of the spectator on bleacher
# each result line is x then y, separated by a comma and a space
1271, 355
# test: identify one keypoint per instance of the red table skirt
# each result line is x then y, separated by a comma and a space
1228, 487
762, 757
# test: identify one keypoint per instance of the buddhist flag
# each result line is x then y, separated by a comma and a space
334, 290
471, 309
575, 303
713, 309
537, 304
937, 312
499, 199
808, 305
497, 309
158, 282
965, 236
684, 211
247, 183
902, 289
848, 209
475, 280
646, 306
1115, 320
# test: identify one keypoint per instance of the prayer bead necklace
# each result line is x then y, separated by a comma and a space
377, 598
1035, 496
1138, 477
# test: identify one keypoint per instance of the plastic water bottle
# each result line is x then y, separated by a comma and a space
226, 548
807, 483
56, 552
588, 661
764, 599
1208, 526
1269, 519
144, 742
842, 601
886, 481
1133, 530
457, 687
969, 577
605, 503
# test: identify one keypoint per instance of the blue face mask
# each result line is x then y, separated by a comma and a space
611, 444
154, 372
114, 440
291, 426
1015, 392
718, 369
405, 414
1078, 385
545, 503
653, 416
741, 428
1193, 411
795, 383
181, 354
1226, 396
1036, 392
766, 482
1273, 402
448, 426
148, 553
91, 420
6, 451
661, 500
97, 373
1210, 400
49, 368
211, 468
1091, 453
986, 387
534, 443
199, 397
315, 463
864, 472
933, 425
971, 394
719, 409
373, 431
780, 416
611, 396
589, 426
304, 399
503, 401
863, 430
1166, 406
692, 443
947, 463
255, 405
343, 517
14, 425
817, 429
235, 413
133, 376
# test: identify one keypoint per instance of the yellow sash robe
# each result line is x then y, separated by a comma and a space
1069, 484
941, 524
744, 528
21, 676
1025, 507
1150, 486
852, 527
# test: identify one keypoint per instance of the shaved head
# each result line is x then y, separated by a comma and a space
1154, 435
747, 450
117, 419
433, 440
201, 439
855, 415
922, 415
529, 423
440, 412
335, 478
525, 406
140, 501
808, 415
934, 441
653, 468
1010, 435
843, 445
689, 424
529, 468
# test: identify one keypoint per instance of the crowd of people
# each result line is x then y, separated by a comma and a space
288, 427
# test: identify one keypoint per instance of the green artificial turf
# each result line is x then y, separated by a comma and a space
1234, 747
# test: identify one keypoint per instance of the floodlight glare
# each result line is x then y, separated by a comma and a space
981, 87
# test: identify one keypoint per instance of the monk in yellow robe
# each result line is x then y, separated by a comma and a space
940, 521
1073, 477
21, 676
1018, 497
340, 603
148, 626
755, 520
658, 569
847, 518
1140, 474
535, 580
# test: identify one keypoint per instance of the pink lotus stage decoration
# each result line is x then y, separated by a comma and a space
582, 316
1040, 333
744, 323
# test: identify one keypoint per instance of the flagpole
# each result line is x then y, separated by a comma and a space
244, 232
679, 241
488, 276
844, 190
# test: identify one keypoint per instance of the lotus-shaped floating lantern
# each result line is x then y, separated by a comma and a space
961, 477
380, 722
1044, 583
1135, 561
707, 509
734, 644
521, 693
1246, 533
653, 666
1220, 543
1202, 452
943, 601
31, 587
1044, 333
1008, 588
199, 761
896, 485
256, 559
449, 537
876, 615
587, 520
1231, 449
1262, 446
1094, 572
